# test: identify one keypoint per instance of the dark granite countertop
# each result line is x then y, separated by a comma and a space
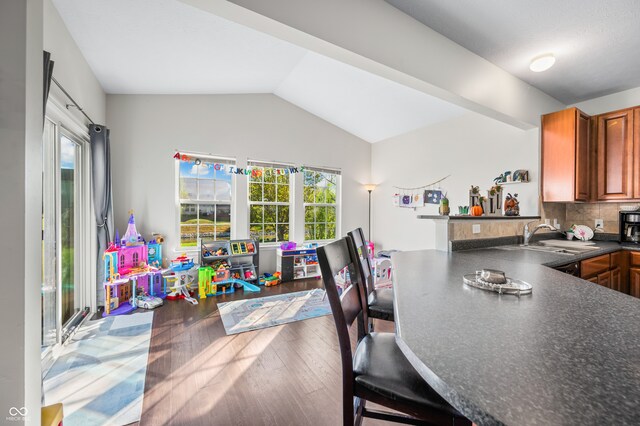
469, 217
569, 353
552, 260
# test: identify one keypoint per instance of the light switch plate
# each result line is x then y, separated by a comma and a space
475, 228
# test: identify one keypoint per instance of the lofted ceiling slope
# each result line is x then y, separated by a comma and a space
167, 47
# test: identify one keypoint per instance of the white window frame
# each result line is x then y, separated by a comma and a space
337, 205
208, 158
290, 204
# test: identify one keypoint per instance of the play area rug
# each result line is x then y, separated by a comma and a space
253, 314
99, 376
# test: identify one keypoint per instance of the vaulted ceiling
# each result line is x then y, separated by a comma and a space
167, 47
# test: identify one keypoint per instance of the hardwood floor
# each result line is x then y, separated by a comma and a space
285, 375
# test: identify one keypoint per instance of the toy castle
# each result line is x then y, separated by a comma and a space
130, 265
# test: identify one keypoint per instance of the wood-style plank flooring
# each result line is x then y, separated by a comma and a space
285, 375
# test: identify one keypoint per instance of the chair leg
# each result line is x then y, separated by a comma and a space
359, 404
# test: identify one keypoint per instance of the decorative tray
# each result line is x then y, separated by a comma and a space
511, 286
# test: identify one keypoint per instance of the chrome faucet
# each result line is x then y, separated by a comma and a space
528, 234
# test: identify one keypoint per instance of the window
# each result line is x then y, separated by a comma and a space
205, 199
269, 202
321, 189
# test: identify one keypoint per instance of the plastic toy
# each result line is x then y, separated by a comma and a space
146, 302
213, 282
181, 263
129, 264
272, 280
181, 267
289, 245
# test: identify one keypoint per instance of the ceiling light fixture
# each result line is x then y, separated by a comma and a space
542, 62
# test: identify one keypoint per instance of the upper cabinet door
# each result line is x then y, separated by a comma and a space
565, 156
615, 155
636, 153
583, 175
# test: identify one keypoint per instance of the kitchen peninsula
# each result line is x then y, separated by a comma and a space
569, 353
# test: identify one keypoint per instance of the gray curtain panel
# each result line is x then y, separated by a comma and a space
47, 72
102, 199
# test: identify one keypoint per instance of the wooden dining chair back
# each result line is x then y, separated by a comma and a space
346, 308
360, 243
379, 302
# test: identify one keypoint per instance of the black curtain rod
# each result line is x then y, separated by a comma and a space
72, 100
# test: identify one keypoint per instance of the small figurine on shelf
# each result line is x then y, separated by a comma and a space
444, 206
474, 196
511, 205
476, 210
494, 201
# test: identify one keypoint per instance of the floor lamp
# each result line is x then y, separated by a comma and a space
370, 187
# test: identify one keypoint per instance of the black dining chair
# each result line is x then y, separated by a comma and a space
376, 371
379, 301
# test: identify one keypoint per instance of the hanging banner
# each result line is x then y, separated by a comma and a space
254, 171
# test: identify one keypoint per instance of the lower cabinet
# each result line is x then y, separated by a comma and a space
616, 280
609, 270
618, 271
634, 282
604, 279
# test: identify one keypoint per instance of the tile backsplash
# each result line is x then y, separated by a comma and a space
586, 214
566, 214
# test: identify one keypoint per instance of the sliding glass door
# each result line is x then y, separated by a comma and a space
65, 287
71, 290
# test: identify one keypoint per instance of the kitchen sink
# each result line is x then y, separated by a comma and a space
570, 251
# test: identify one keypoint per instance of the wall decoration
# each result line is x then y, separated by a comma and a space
254, 171
418, 196
519, 175
474, 196
433, 196
444, 206
511, 205
494, 201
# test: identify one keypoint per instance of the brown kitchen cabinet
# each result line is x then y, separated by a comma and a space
634, 282
609, 270
615, 159
565, 156
595, 266
604, 279
636, 153
615, 282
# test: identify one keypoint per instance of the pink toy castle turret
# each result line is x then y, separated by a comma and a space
132, 237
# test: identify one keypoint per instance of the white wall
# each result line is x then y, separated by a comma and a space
21, 206
625, 99
146, 131
474, 149
71, 69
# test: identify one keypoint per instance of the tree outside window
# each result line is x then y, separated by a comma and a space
205, 201
269, 203
320, 204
